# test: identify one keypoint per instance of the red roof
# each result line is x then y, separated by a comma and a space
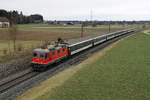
3, 19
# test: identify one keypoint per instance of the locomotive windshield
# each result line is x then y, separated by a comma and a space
43, 55
35, 54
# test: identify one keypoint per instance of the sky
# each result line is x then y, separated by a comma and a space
114, 10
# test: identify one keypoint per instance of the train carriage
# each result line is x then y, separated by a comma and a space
80, 46
100, 39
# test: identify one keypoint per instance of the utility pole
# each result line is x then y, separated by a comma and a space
109, 26
82, 25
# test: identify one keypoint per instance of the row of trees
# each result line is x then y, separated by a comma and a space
18, 17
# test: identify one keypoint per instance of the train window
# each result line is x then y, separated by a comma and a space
35, 54
63, 49
42, 55
58, 51
46, 55
53, 52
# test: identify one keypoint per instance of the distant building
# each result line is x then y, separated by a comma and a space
4, 22
37, 21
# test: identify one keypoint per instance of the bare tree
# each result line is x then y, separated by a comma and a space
13, 35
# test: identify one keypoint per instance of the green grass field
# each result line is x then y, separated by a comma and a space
52, 32
123, 73
6, 44
7, 53
68, 29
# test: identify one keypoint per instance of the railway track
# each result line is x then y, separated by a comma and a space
12, 83
12, 87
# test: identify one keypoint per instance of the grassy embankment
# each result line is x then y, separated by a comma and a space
119, 73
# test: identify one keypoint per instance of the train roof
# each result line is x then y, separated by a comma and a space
41, 50
74, 41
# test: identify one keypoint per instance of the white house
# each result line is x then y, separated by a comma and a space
4, 22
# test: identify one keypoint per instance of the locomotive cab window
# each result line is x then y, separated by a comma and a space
47, 55
35, 54
43, 55
63, 49
58, 51
53, 52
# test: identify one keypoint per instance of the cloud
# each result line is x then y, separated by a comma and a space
80, 9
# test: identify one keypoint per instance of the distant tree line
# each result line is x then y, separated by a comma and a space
18, 17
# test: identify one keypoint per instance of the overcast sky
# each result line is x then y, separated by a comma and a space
82, 9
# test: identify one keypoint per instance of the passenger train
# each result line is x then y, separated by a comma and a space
43, 57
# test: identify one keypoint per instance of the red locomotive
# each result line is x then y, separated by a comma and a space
42, 57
